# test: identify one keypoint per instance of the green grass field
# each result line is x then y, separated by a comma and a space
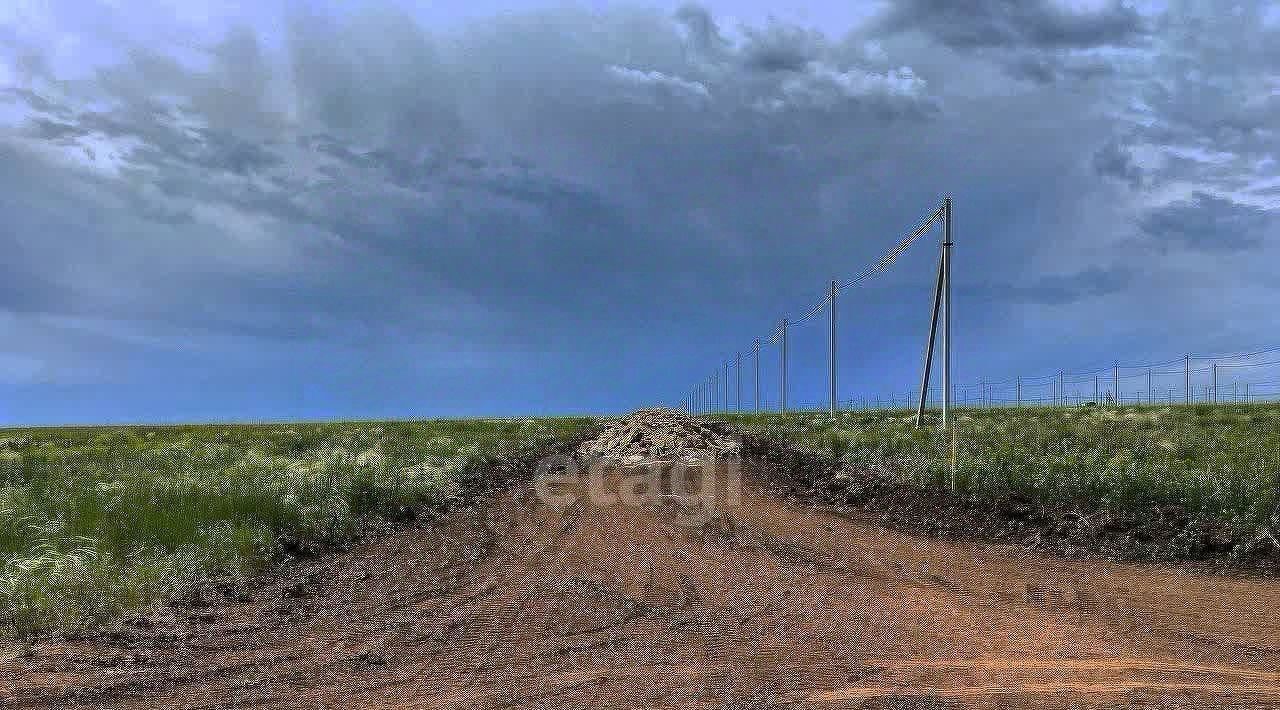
1220, 461
97, 521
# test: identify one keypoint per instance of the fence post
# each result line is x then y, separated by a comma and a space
1019, 392
1148, 387
832, 355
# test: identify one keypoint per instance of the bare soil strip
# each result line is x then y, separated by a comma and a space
766, 602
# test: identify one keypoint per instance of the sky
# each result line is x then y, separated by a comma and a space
284, 210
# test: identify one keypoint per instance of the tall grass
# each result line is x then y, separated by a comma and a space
97, 521
1220, 461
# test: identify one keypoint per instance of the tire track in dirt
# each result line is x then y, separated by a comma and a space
768, 603
1037, 677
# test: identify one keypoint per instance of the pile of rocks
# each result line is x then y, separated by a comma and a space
659, 436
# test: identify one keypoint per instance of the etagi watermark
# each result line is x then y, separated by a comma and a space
700, 489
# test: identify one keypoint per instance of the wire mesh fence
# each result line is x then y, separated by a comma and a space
1241, 378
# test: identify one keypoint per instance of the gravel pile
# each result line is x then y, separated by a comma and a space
660, 436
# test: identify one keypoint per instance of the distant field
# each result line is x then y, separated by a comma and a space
1220, 461
95, 521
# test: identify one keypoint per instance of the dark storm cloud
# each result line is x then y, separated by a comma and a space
388, 160
704, 33
781, 48
649, 185
1036, 41
47, 130
35, 101
1047, 68
1210, 89
1209, 223
1015, 23
1070, 288
1114, 161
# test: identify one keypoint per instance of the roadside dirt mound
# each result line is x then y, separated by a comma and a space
1078, 528
516, 603
661, 436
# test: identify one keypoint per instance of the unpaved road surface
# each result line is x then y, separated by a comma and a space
518, 603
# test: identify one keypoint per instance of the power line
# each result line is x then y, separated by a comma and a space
1059, 380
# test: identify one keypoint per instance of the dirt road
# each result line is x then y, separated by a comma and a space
515, 603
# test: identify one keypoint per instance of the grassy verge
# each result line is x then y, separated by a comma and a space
97, 521
1220, 463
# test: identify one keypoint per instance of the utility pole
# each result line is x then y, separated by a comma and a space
1186, 377
1095, 388
782, 397
713, 383
755, 346
831, 356
738, 371
946, 323
1115, 380
1214, 398
726, 387
928, 346
1019, 392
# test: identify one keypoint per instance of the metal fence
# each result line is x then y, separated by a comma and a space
1239, 377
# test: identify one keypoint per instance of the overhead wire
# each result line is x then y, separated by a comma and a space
1062, 376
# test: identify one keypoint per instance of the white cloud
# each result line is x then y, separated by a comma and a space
824, 87
657, 79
